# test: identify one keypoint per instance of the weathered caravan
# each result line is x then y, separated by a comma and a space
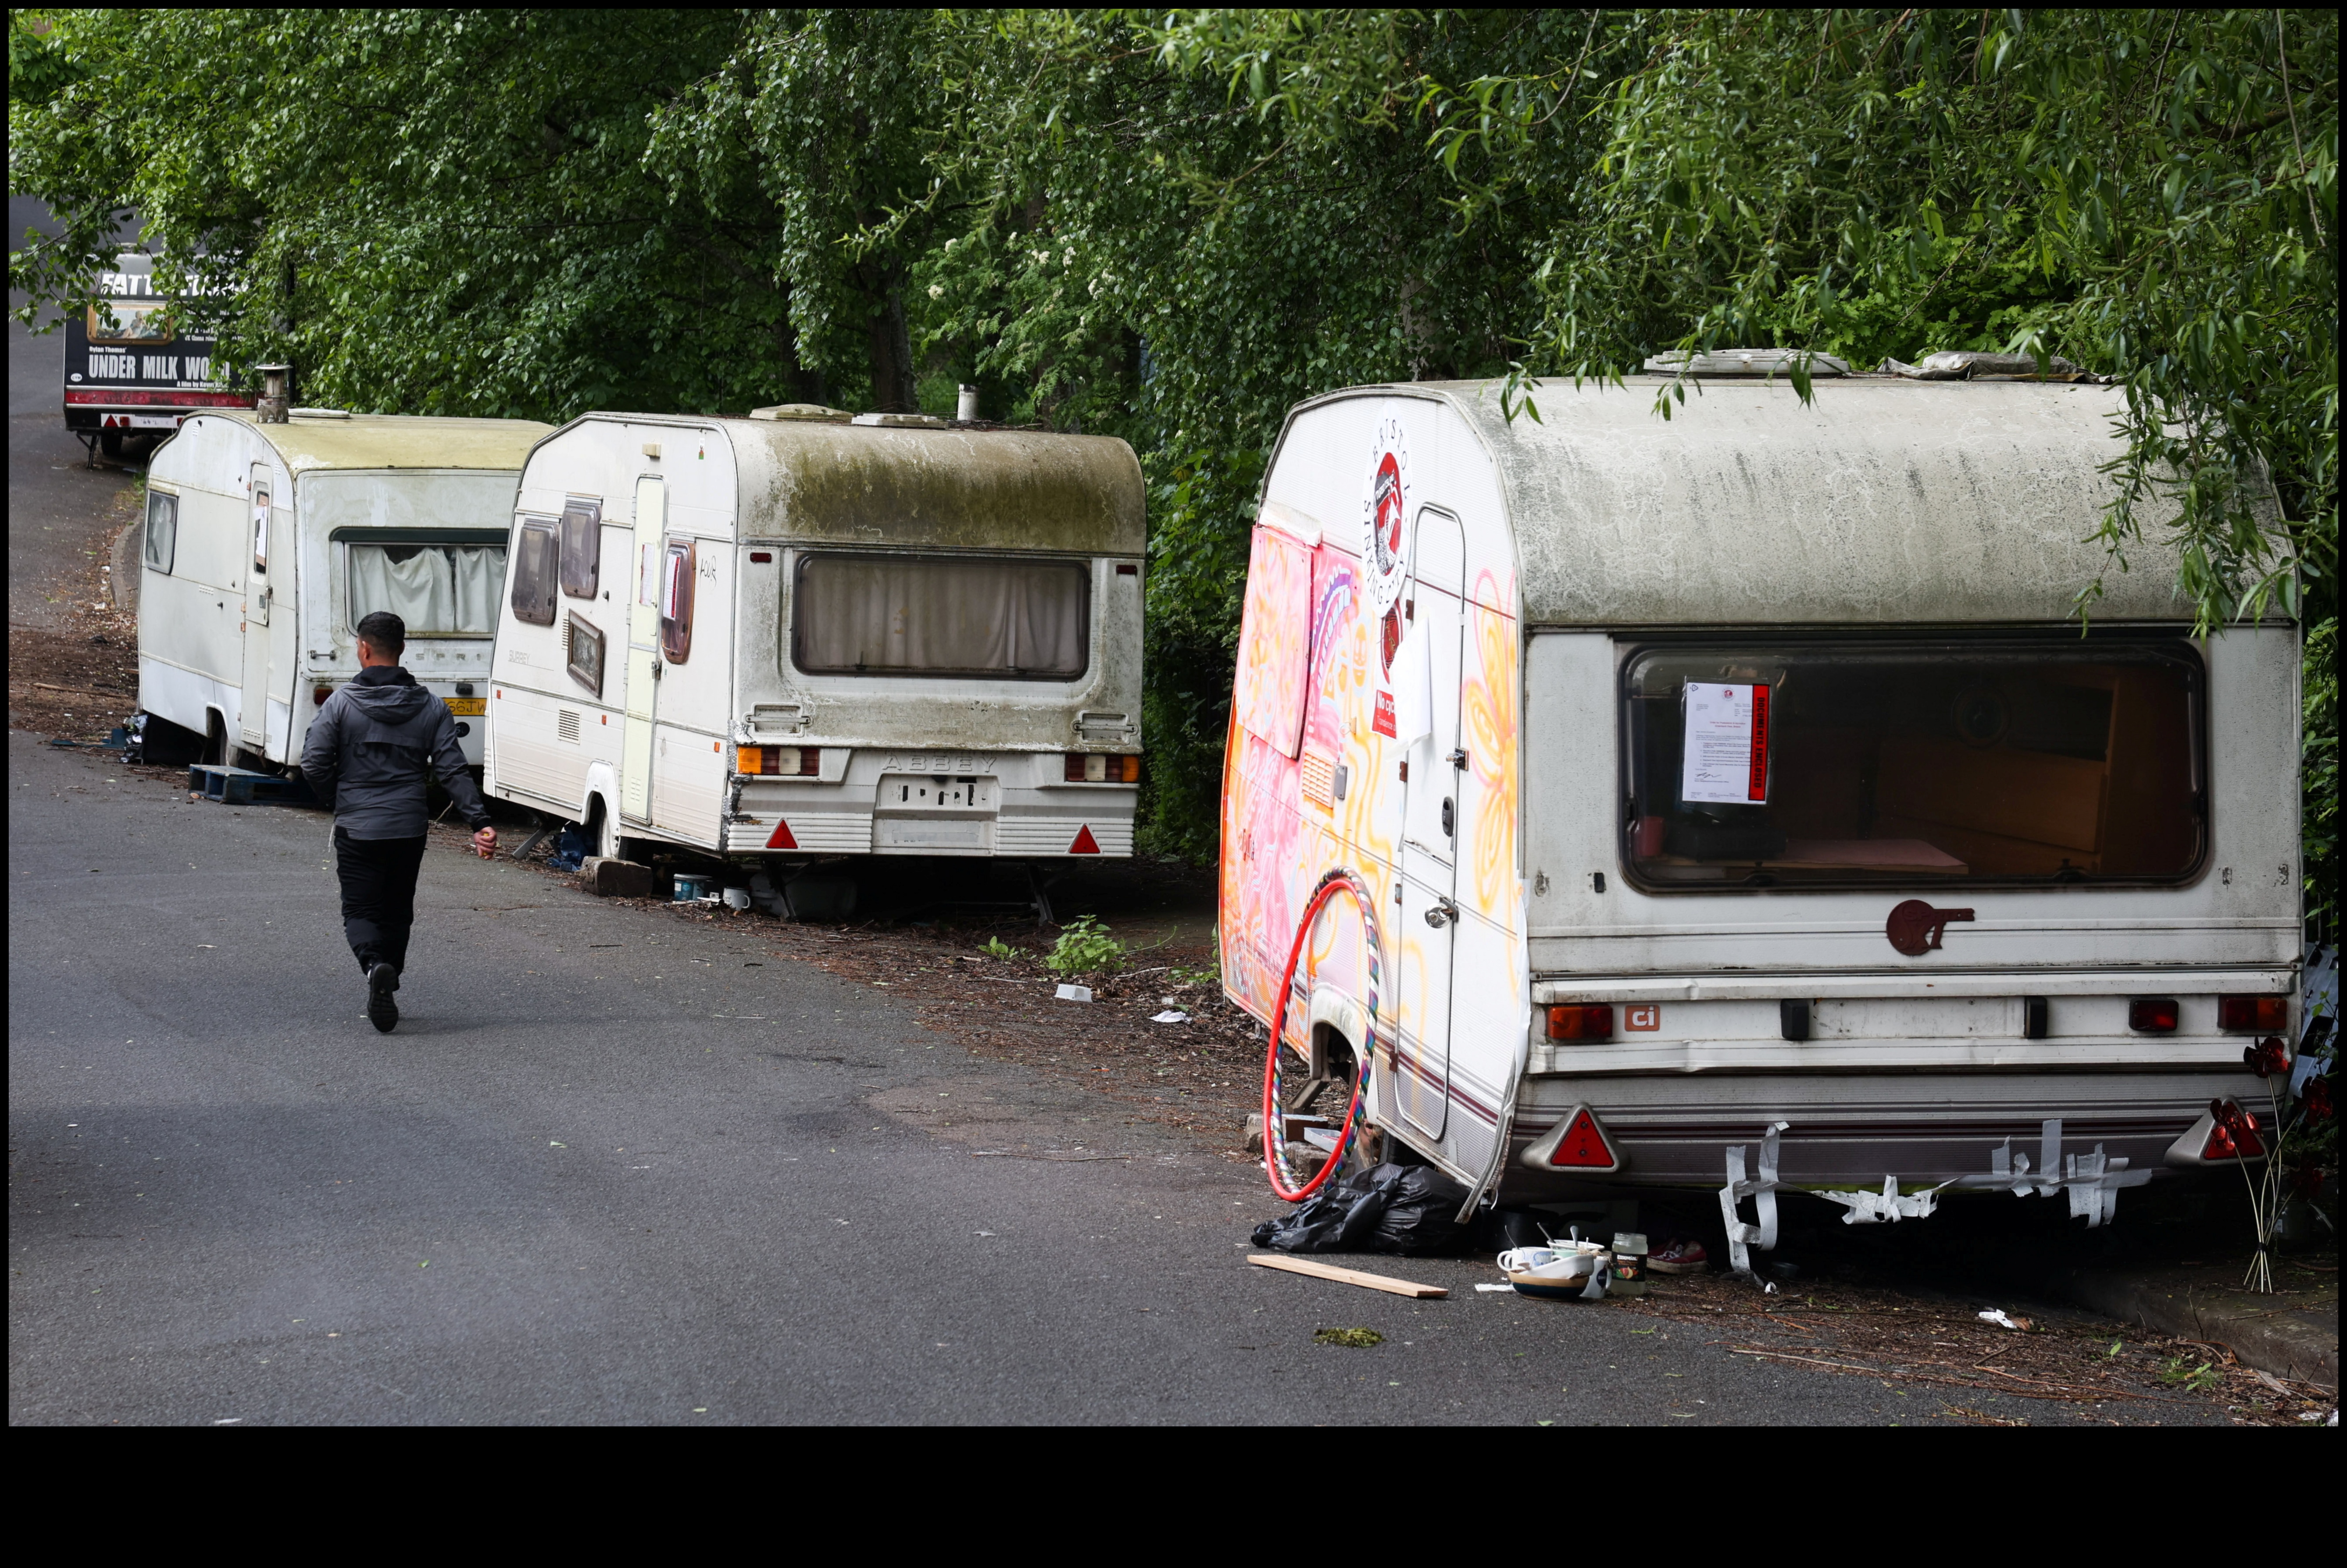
265, 543
797, 638
1750, 769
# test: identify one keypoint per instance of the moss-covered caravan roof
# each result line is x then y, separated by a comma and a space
960, 489
376, 441
1884, 501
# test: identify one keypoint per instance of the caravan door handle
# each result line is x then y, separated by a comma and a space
1458, 758
1443, 912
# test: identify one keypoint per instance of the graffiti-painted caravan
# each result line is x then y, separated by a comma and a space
797, 638
266, 542
1749, 767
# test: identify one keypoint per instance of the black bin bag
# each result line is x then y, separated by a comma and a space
1387, 1208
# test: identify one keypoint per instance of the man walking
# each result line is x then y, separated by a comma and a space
368, 754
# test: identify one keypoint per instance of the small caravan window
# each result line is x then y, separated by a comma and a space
584, 648
676, 599
1990, 761
869, 613
582, 547
536, 564
162, 531
440, 587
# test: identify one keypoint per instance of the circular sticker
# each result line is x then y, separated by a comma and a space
1385, 511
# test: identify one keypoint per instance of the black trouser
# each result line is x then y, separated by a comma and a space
378, 877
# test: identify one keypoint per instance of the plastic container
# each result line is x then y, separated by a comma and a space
690, 888
1629, 1264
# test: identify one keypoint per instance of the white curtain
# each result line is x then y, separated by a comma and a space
434, 588
881, 613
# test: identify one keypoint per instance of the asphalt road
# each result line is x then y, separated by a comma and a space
58, 505
608, 1171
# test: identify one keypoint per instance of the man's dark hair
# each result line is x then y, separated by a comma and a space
384, 632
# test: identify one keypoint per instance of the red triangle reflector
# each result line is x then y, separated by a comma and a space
1583, 1145
1085, 843
782, 839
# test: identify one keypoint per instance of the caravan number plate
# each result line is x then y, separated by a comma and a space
473, 706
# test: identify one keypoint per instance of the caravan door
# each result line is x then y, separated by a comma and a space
643, 652
1431, 829
252, 704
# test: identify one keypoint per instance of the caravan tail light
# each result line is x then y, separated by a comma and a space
1093, 768
2233, 1134
2152, 1016
2253, 1015
801, 761
1580, 1020
320, 693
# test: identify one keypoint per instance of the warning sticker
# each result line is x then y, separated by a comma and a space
1726, 758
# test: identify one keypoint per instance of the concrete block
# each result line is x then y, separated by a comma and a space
607, 877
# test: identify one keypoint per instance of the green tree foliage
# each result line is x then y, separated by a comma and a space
1172, 226
427, 211
2149, 194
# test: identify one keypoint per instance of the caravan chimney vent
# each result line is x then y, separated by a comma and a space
272, 405
966, 410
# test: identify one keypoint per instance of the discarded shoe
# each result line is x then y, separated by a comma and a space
382, 1011
1679, 1257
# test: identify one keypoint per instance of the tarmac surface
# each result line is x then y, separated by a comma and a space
58, 506
608, 1171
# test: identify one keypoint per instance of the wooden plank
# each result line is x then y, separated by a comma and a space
1387, 1283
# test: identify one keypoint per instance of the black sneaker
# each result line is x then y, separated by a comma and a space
382, 1011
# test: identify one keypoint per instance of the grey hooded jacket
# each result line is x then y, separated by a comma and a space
371, 748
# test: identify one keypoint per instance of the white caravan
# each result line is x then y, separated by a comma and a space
1750, 768
797, 638
265, 543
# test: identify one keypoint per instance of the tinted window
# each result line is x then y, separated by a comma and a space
582, 547
536, 564
677, 567
1758, 764
162, 531
584, 651
940, 615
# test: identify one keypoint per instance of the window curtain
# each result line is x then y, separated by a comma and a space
881, 613
434, 589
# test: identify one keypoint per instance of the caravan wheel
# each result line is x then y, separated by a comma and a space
603, 832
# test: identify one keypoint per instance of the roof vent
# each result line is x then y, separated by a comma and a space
320, 413
902, 421
814, 411
1746, 362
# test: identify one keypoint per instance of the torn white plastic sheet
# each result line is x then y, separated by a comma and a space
1763, 1194
1073, 993
1413, 688
2092, 1180
1171, 1016
1888, 1206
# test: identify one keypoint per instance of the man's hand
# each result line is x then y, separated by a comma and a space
484, 844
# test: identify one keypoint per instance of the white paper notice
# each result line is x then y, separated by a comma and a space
1725, 757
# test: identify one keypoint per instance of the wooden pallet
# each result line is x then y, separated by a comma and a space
243, 786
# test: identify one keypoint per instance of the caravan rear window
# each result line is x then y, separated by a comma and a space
441, 589
1762, 765
869, 613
